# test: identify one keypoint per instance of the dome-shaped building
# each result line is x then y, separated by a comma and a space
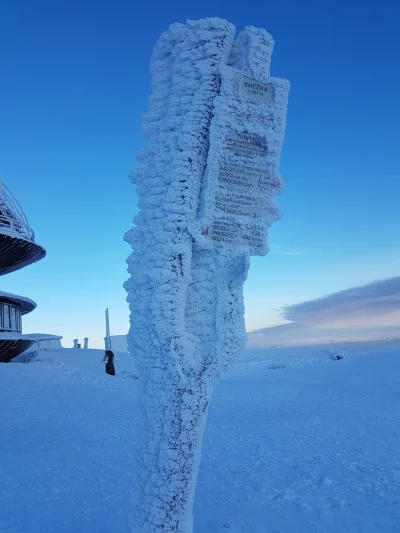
17, 250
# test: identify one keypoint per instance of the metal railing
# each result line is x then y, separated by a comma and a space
12, 218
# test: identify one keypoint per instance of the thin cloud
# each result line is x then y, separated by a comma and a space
286, 251
377, 298
291, 253
368, 309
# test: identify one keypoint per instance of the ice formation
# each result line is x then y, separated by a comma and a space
214, 115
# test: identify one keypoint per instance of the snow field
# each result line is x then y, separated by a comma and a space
310, 448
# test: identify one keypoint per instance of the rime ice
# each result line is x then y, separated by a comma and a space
215, 129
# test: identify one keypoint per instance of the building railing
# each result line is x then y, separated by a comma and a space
12, 218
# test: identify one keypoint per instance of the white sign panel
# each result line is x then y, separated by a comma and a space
242, 176
256, 91
234, 204
250, 175
232, 232
246, 144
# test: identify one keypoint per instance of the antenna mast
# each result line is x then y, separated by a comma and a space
107, 338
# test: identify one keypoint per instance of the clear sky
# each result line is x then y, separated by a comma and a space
75, 82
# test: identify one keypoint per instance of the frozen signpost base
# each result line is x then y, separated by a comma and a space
215, 129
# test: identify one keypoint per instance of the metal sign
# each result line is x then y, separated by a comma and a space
242, 172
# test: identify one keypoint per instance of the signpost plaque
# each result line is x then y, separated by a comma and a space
242, 174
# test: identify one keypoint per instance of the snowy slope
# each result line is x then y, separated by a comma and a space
311, 448
88, 360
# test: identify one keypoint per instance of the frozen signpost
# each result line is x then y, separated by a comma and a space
215, 129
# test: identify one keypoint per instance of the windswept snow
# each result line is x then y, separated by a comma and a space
296, 443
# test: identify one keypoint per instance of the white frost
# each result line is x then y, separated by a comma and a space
186, 292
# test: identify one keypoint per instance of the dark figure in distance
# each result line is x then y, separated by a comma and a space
110, 368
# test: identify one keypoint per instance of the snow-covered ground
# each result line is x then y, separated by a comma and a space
296, 443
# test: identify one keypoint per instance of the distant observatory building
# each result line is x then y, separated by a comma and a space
17, 250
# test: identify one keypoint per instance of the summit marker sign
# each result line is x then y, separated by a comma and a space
256, 91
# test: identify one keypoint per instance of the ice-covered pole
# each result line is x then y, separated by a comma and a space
215, 128
107, 338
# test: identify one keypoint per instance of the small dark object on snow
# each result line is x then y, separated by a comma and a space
335, 356
110, 368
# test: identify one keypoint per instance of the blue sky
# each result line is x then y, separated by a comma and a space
75, 81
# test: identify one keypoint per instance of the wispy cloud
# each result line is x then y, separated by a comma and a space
286, 251
291, 253
370, 309
377, 298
